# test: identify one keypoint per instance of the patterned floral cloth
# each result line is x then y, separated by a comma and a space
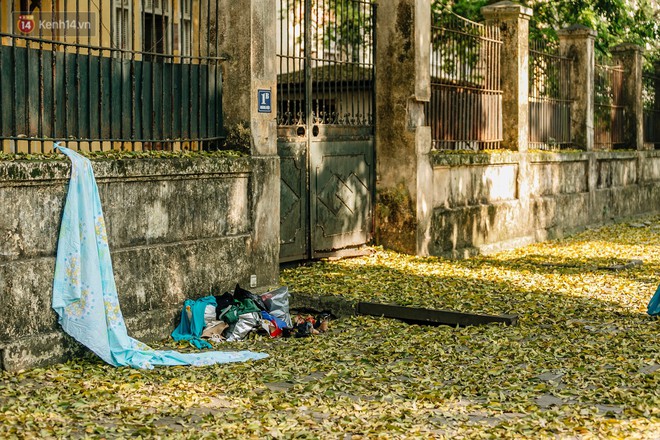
84, 291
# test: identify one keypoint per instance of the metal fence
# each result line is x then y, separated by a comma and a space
325, 62
609, 111
109, 74
651, 97
549, 96
465, 110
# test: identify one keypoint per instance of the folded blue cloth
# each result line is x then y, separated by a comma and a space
190, 328
84, 291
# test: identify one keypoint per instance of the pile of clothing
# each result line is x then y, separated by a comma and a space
233, 315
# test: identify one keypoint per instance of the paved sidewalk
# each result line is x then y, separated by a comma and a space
584, 361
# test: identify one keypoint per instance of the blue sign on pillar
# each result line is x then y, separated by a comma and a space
264, 101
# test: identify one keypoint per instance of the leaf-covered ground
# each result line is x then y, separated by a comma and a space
583, 363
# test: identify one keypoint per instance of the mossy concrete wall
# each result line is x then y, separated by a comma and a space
177, 229
487, 202
458, 204
403, 143
247, 30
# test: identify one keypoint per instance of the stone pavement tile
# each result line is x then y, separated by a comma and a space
610, 409
513, 415
547, 400
550, 376
279, 386
313, 377
487, 420
648, 369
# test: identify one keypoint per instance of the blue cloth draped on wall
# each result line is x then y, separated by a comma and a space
84, 291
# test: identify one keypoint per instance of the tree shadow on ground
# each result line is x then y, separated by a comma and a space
468, 292
571, 357
588, 345
634, 269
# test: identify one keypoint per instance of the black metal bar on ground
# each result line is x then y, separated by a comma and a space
417, 315
341, 307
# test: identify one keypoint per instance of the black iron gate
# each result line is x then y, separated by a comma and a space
325, 113
109, 74
609, 108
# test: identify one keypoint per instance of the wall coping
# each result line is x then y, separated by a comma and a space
440, 159
44, 171
577, 30
616, 155
558, 156
627, 47
506, 9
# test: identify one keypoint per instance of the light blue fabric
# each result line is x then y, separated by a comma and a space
653, 308
190, 329
84, 291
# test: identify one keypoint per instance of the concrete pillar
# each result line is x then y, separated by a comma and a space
248, 41
577, 42
631, 58
404, 174
513, 21
248, 30
656, 106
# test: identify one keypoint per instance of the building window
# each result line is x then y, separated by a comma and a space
160, 36
186, 28
121, 25
156, 35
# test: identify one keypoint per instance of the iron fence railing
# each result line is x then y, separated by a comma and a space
325, 56
465, 110
110, 74
549, 96
651, 98
609, 111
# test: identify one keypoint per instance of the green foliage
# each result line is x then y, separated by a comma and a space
616, 21
457, 48
348, 29
236, 143
343, 28
470, 9
117, 155
239, 138
395, 206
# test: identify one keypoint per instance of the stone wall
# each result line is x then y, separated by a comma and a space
458, 204
177, 229
486, 202
403, 81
